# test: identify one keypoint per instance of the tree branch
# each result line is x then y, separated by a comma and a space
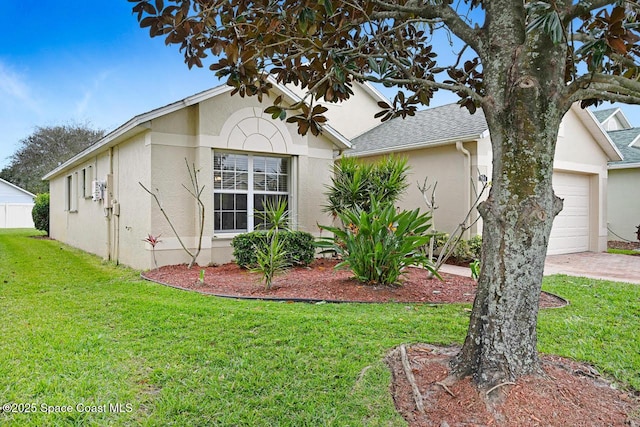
582, 7
422, 82
437, 13
604, 87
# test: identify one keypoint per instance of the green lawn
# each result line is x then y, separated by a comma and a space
82, 335
622, 251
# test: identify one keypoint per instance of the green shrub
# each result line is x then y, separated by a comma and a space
378, 245
467, 250
355, 183
40, 212
298, 245
475, 246
461, 250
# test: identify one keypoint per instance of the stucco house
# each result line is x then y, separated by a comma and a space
244, 158
623, 204
15, 206
451, 146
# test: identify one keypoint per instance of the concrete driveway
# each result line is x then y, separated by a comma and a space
601, 265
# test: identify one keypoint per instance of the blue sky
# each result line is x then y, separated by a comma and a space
74, 61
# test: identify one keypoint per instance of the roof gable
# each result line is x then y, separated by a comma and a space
140, 123
12, 193
603, 115
626, 140
612, 119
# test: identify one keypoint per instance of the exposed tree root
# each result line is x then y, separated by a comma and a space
495, 387
417, 396
444, 386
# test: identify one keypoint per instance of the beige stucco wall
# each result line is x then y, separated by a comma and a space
86, 227
352, 117
131, 166
229, 124
155, 156
623, 203
452, 170
577, 151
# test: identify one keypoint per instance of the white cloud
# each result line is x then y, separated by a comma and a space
14, 88
82, 105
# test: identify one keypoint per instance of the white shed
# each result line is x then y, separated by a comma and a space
15, 206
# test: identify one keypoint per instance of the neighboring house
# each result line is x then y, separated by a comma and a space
15, 206
624, 176
244, 158
451, 146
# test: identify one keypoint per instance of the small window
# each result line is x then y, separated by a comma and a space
87, 180
71, 192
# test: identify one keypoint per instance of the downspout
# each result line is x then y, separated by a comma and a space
115, 212
467, 176
107, 208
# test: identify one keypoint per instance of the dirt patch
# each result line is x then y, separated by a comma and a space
321, 282
571, 394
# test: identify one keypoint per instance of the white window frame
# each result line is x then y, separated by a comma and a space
71, 192
87, 181
251, 192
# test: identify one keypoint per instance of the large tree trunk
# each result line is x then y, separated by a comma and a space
518, 215
523, 114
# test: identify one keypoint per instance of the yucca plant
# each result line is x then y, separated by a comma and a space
271, 260
377, 245
275, 216
355, 183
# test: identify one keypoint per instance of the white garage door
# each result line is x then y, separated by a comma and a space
570, 232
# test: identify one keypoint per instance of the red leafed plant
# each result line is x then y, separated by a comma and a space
153, 241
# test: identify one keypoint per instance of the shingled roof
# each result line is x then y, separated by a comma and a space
602, 115
434, 126
623, 139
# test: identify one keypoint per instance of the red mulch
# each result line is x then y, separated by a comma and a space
321, 282
571, 394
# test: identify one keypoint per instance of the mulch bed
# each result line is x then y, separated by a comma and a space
321, 282
571, 394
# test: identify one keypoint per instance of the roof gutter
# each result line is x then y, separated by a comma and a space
613, 166
132, 128
423, 144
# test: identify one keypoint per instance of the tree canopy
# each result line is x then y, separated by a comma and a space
523, 62
324, 46
43, 151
